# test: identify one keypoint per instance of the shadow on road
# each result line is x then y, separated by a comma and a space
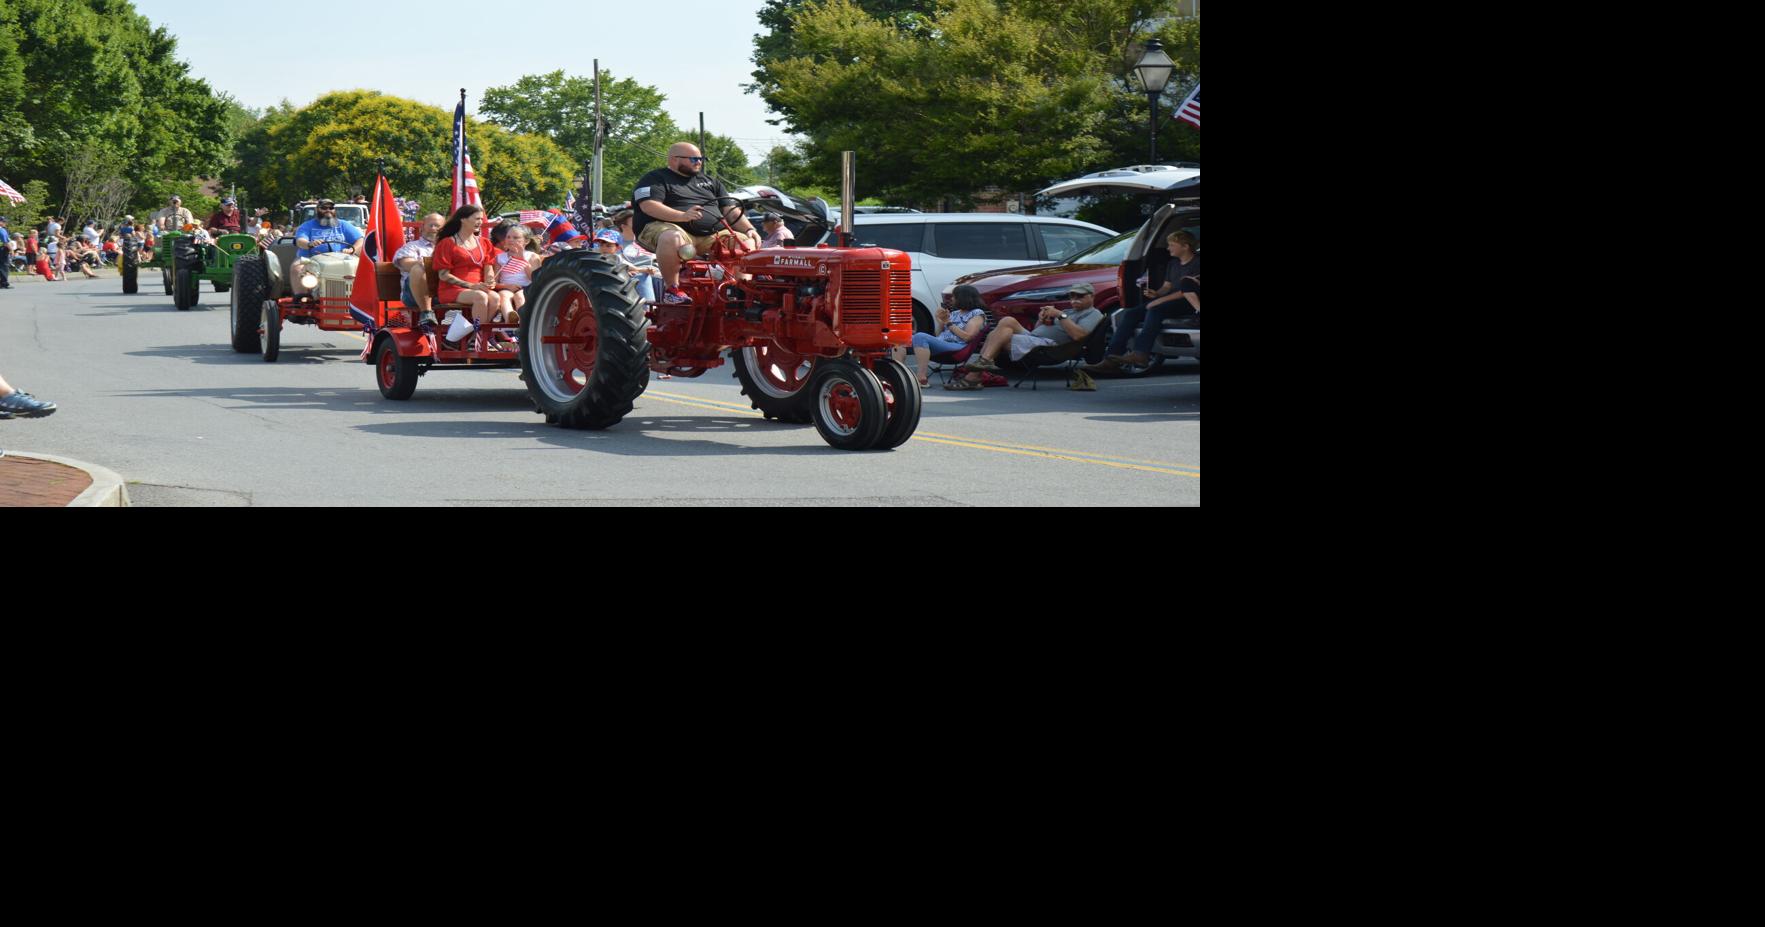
637, 436
224, 354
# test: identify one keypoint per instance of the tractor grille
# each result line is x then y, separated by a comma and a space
864, 302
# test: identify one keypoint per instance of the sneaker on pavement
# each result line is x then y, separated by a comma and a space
1107, 365
26, 405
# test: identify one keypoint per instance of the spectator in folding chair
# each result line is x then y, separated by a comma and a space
956, 335
1057, 329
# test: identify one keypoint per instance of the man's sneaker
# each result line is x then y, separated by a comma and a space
676, 297
1107, 365
426, 322
980, 362
26, 405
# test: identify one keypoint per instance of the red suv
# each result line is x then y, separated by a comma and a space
1021, 292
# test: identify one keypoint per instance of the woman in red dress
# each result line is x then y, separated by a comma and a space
465, 263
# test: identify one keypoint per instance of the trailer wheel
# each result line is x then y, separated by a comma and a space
272, 330
131, 271
850, 411
251, 289
396, 374
903, 400
584, 341
776, 382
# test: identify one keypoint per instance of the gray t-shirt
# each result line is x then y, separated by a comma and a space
1087, 320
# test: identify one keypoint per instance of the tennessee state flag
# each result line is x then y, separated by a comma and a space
385, 235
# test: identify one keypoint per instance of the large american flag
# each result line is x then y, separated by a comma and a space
465, 182
11, 194
1190, 111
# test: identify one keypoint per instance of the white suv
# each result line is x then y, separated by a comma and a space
945, 246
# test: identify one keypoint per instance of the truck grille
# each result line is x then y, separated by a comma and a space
864, 302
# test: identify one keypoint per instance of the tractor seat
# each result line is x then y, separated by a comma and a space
388, 282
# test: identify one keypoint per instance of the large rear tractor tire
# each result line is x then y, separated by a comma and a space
584, 341
850, 411
251, 289
903, 400
776, 382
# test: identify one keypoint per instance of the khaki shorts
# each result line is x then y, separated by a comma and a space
651, 237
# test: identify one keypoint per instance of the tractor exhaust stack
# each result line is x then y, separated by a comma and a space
848, 191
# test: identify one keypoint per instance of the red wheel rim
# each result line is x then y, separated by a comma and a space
388, 368
573, 340
778, 372
844, 410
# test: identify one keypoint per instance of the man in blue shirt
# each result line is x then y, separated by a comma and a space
5, 256
323, 234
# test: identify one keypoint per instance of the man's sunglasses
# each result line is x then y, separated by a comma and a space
694, 160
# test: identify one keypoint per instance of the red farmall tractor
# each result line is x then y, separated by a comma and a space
809, 331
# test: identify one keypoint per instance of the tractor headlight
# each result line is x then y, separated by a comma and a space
308, 282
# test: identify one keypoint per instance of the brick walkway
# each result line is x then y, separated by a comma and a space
39, 483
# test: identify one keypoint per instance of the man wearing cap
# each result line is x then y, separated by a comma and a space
606, 241
776, 233
1054, 328
228, 220
6, 247
324, 233
173, 217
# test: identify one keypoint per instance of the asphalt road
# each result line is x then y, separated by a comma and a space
160, 397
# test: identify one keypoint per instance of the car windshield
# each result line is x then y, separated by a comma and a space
1109, 251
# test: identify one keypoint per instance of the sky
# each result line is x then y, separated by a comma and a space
696, 52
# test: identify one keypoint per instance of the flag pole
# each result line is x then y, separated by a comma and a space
600, 141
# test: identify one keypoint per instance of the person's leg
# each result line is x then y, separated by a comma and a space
481, 304
1125, 324
1154, 326
668, 246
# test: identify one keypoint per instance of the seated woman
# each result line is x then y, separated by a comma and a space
465, 265
956, 328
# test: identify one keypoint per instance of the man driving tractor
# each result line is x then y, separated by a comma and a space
173, 217
322, 234
677, 206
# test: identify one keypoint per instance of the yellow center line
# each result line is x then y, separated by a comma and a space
1024, 450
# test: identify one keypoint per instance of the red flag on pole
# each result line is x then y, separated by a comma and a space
386, 232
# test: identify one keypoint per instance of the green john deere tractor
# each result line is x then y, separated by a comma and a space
183, 264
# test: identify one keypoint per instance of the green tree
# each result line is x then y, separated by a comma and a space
944, 102
639, 131
334, 146
102, 74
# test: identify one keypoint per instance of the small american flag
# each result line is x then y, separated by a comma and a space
514, 268
538, 217
1190, 111
11, 194
465, 182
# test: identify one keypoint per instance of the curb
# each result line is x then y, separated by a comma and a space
106, 492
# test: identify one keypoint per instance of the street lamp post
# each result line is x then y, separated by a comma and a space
1155, 69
